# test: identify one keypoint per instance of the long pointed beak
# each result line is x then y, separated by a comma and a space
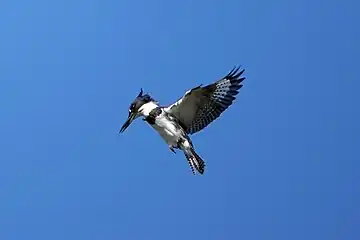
128, 122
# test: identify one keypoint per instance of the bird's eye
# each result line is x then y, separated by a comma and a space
132, 107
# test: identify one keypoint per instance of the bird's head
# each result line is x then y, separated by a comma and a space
134, 109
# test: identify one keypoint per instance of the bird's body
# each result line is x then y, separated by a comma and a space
190, 114
162, 122
171, 132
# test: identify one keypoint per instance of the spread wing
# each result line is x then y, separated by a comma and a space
202, 105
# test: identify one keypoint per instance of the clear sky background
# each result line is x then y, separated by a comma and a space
282, 162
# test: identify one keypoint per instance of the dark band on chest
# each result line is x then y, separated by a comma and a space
153, 115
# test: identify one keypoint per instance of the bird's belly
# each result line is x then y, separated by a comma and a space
167, 131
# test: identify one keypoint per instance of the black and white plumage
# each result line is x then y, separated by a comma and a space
190, 114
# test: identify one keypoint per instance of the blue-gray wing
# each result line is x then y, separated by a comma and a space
202, 105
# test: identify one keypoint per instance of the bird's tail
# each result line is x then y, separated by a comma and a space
195, 161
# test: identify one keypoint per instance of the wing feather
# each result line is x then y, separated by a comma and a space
202, 105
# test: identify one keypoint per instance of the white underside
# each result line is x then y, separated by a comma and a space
167, 130
163, 126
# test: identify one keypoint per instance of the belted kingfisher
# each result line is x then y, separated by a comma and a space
194, 111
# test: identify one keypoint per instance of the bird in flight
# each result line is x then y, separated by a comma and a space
190, 114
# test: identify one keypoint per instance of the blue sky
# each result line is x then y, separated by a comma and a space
282, 162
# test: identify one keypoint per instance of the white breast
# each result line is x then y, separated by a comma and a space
167, 130
163, 125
